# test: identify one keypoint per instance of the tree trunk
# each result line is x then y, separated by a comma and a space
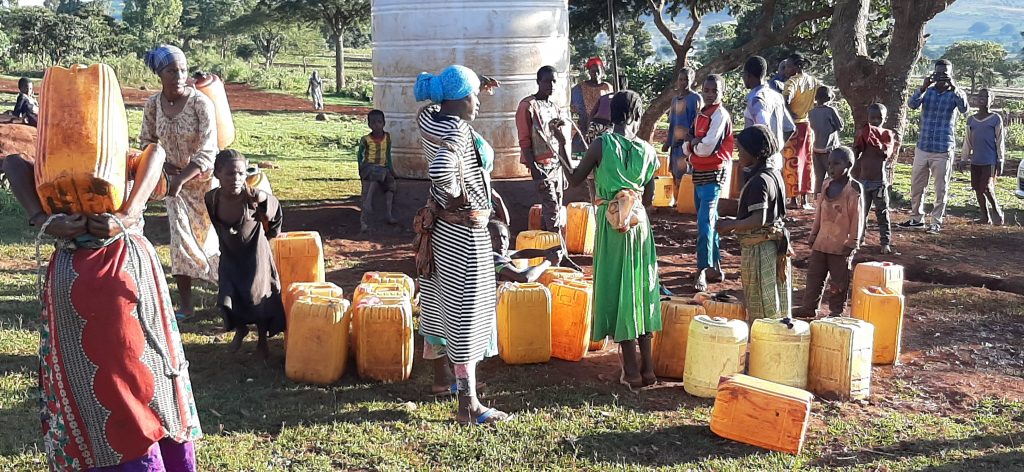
864, 81
339, 62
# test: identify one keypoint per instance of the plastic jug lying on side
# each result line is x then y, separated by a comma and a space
761, 413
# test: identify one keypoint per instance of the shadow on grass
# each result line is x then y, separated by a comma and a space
657, 448
18, 364
1012, 460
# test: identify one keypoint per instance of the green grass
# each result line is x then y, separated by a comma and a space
255, 419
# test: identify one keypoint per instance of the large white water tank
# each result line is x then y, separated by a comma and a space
504, 39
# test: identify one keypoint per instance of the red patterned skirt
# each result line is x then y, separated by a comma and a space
113, 377
798, 171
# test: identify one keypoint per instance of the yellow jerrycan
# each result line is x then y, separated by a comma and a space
535, 240
387, 355
664, 192
399, 278
211, 86
876, 274
82, 144
715, 347
685, 197
305, 289
883, 308
317, 343
840, 364
580, 228
524, 323
370, 290
299, 257
761, 413
724, 306
669, 344
780, 350
553, 274
570, 319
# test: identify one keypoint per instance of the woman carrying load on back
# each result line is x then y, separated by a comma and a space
182, 121
626, 300
764, 241
114, 390
454, 258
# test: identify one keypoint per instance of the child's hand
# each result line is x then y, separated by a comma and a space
725, 225
810, 240
664, 147
174, 186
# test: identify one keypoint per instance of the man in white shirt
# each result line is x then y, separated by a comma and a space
765, 106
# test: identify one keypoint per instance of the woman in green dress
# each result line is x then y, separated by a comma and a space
626, 301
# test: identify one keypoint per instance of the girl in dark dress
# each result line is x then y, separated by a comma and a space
245, 218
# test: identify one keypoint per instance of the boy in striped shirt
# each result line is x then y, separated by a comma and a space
375, 171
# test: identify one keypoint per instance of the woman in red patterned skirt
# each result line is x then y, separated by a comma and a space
114, 387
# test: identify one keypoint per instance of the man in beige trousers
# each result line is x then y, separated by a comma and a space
939, 100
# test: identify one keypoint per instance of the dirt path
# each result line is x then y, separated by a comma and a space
241, 96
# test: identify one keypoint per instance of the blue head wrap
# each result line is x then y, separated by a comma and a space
163, 56
453, 83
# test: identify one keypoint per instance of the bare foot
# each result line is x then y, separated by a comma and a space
392, 220
236, 343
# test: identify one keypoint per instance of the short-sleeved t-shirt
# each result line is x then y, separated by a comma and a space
763, 191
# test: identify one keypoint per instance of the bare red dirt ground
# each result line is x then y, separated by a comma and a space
240, 96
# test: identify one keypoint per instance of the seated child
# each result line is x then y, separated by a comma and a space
26, 107
827, 124
375, 170
875, 149
838, 227
249, 289
505, 271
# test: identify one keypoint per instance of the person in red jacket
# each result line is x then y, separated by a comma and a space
709, 153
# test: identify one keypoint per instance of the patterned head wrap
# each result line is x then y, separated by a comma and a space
594, 61
163, 56
453, 83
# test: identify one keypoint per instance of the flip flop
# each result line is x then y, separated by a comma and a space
484, 418
180, 316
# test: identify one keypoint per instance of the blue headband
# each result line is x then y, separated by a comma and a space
163, 56
453, 83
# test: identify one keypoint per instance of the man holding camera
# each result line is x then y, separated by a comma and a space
939, 100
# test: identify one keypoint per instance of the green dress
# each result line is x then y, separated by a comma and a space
626, 299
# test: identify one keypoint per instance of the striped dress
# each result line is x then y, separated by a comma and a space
458, 300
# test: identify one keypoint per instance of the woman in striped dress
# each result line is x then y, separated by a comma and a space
457, 295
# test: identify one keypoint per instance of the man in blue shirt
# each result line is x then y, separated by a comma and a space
939, 100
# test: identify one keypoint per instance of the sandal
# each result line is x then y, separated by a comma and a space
491, 416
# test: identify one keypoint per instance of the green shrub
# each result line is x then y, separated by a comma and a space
132, 72
1015, 137
358, 89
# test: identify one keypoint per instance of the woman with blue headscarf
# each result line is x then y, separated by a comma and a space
454, 256
182, 121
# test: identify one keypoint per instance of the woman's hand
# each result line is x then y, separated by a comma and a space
171, 169
174, 185
67, 226
725, 225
